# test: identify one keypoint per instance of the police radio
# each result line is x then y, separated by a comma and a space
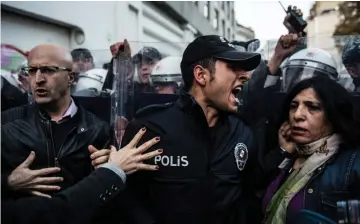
296, 21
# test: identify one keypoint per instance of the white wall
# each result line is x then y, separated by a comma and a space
103, 23
14, 26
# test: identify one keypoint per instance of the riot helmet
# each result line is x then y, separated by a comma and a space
145, 60
351, 58
305, 64
91, 80
166, 75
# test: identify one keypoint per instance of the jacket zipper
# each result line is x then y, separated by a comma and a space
47, 142
56, 156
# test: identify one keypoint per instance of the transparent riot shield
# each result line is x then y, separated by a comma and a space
151, 75
314, 56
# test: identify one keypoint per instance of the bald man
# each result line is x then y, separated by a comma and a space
66, 138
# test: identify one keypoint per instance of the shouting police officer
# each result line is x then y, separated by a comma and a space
206, 169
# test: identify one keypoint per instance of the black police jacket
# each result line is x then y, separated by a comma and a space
77, 204
205, 176
25, 129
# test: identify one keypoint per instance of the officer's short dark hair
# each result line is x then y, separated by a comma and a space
188, 77
79, 54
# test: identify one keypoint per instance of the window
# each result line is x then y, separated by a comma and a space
223, 5
196, 3
229, 34
207, 9
233, 17
216, 19
229, 10
223, 28
233, 37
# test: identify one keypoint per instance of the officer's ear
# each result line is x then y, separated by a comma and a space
200, 75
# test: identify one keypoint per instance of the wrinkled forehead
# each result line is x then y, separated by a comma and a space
43, 56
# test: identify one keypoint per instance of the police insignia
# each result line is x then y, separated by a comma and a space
241, 155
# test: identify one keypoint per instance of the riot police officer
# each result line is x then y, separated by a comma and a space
351, 60
207, 169
144, 61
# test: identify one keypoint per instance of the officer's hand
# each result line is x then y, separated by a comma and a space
98, 157
33, 181
286, 45
130, 158
284, 135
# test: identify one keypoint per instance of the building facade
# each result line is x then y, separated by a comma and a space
324, 16
243, 33
168, 26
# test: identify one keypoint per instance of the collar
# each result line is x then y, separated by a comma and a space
188, 104
82, 123
69, 113
187, 101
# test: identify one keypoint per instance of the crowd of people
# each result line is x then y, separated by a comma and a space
216, 136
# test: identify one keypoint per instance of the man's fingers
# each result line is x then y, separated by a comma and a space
48, 180
100, 153
37, 193
100, 160
137, 138
45, 187
45, 171
29, 160
92, 149
148, 144
149, 155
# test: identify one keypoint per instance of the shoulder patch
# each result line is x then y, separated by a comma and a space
13, 114
152, 109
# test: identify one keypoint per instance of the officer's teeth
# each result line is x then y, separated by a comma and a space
238, 89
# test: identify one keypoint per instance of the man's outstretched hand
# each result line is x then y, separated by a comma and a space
34, 182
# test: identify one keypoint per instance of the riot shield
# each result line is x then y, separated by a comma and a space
149, 75
312, 62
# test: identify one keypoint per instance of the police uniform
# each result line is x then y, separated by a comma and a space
202, 170
206, 175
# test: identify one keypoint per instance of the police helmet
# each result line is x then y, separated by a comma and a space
93, 79
167, 71
308, 63
351, 52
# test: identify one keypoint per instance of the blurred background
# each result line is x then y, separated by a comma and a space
168, 26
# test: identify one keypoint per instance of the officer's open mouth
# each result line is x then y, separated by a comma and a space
236, 93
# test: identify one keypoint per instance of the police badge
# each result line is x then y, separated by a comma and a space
241, 155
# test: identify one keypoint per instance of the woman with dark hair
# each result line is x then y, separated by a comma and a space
319, 127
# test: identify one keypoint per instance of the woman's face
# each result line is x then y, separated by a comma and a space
307, 118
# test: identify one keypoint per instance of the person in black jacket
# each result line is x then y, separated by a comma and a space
55, 127
81, 202
207, 169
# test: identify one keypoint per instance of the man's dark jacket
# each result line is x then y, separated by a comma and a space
77, 204
199, 180
26, 128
